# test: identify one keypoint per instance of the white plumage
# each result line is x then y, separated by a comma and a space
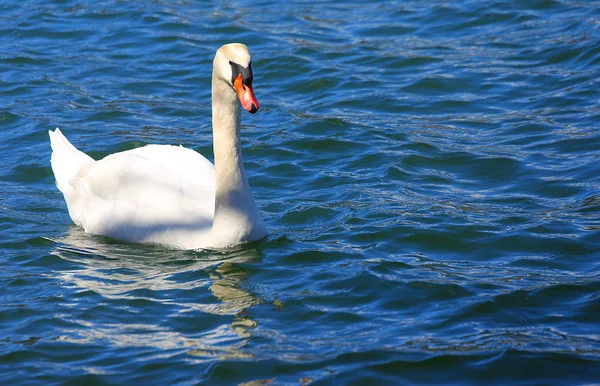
165, 194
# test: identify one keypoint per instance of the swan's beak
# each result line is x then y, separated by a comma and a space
246, 95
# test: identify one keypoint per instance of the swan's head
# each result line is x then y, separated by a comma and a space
233, 65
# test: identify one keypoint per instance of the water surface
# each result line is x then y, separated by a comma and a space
428, 173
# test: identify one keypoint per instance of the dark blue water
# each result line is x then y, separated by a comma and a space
428, 173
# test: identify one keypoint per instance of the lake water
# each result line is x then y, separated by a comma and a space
428, 173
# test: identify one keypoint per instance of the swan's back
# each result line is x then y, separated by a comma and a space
155, 194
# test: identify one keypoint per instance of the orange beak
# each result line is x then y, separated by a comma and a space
246, 95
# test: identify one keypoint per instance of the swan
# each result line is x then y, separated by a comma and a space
170, 195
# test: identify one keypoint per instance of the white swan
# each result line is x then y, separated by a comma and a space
171, 195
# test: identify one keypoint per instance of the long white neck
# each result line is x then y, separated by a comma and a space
236, 217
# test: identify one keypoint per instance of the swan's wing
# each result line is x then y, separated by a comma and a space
139, 194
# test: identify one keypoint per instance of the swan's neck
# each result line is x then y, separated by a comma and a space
236, 217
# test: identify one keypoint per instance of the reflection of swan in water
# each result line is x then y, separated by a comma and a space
184, 283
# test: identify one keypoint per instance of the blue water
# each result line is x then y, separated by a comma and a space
427, 171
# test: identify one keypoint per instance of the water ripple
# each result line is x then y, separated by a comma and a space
427, 173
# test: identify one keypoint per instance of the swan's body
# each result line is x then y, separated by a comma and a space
171, 195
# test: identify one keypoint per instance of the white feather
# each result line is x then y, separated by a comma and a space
165, 194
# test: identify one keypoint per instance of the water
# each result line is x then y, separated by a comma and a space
428, 172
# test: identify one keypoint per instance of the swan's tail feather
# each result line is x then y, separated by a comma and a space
66, 160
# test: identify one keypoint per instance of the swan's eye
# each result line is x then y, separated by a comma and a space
246, 72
